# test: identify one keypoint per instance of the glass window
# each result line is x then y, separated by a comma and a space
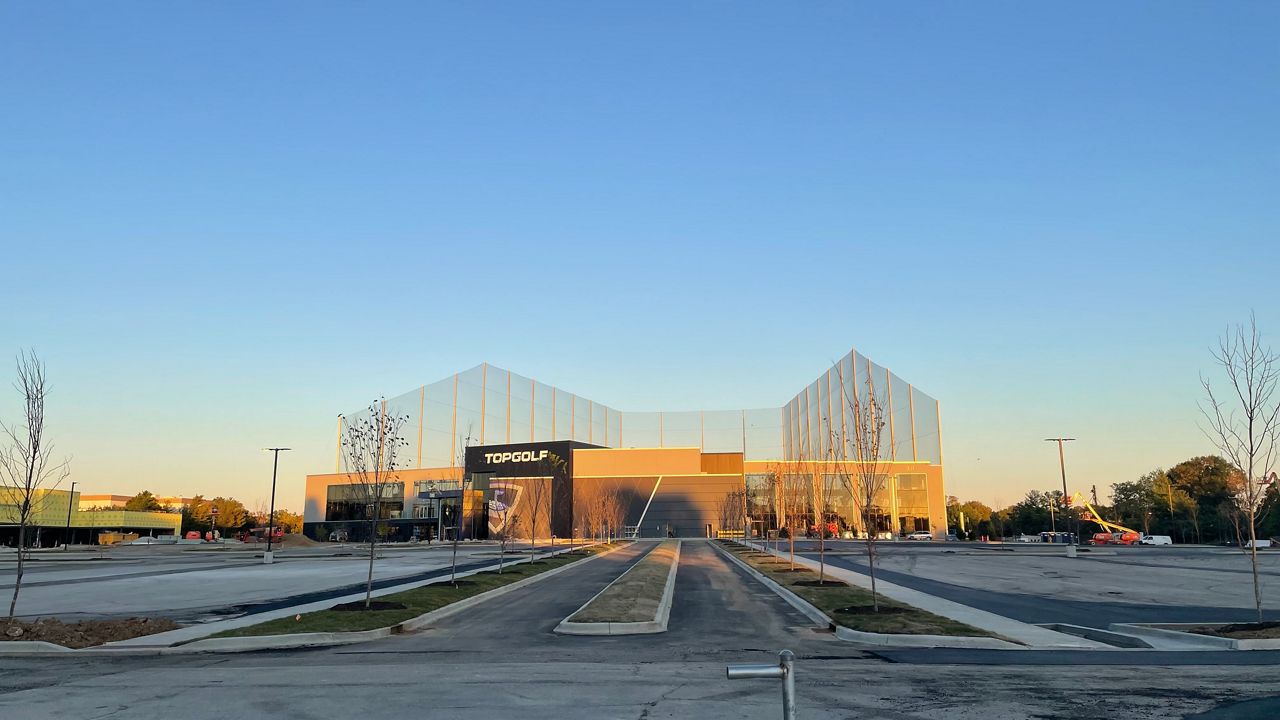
598, 424
764, 434
581, 420
641, 430
682, 429
564, 415
615, 428
723, 431
494, 429
928, 438
901, 399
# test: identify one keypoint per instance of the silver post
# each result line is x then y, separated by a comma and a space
785, 669
786, 660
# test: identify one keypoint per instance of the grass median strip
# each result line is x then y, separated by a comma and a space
848, 605
415, 602
636, 595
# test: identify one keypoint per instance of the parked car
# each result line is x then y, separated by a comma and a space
920, 535
1155, 540
338, 536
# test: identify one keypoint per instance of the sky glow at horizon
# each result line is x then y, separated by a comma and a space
227, 223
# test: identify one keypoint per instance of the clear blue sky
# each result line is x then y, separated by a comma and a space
225, 223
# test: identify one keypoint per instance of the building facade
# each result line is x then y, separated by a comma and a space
56, 518
482, 443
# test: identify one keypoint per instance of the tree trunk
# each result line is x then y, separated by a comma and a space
822, 555
871, 563
533, 537
17, 584
1253, 560
373, 539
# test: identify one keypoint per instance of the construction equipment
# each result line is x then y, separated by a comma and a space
1115, 534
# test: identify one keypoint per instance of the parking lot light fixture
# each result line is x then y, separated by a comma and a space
271, 515
1062, 465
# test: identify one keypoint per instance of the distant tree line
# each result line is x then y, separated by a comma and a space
1195, 501
232, 515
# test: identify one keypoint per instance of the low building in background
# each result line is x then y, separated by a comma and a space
91, 502
518, 442
51, 524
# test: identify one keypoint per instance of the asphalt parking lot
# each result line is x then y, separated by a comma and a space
501, 660
1038, 584
209, 582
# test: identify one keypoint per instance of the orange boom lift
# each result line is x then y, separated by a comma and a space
1115, 534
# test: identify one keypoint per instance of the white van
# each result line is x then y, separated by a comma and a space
1155, 540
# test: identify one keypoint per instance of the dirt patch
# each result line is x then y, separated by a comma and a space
1242, 631
86, 633
359, 606
298, 540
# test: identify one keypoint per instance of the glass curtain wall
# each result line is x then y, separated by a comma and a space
487, 405
818, 422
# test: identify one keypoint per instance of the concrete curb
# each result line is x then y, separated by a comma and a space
1032, 636
31, 648
868, 638
278, 642
924, 641
1117, 639
647, 627
1196, 639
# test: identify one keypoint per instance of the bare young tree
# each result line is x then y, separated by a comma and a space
28, 471
613, 511
371, 446
794, 496
463, 443
505, 529
826, 482
1244, 422
732, 511
538, 492
865, 474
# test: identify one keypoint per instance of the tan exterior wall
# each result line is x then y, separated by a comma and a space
591, 462
684, 505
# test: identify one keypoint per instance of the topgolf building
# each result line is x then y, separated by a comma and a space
487, 446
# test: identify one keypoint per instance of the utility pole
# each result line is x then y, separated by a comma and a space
268, 558
1062, 464
71, 498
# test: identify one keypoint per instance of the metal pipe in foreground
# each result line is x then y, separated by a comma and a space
785, 669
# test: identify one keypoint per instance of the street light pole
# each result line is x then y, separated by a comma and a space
1062, 465
271, 517
71, 498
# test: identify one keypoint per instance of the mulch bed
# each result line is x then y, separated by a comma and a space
1243, 631
359, 606
816, 583
85, 633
